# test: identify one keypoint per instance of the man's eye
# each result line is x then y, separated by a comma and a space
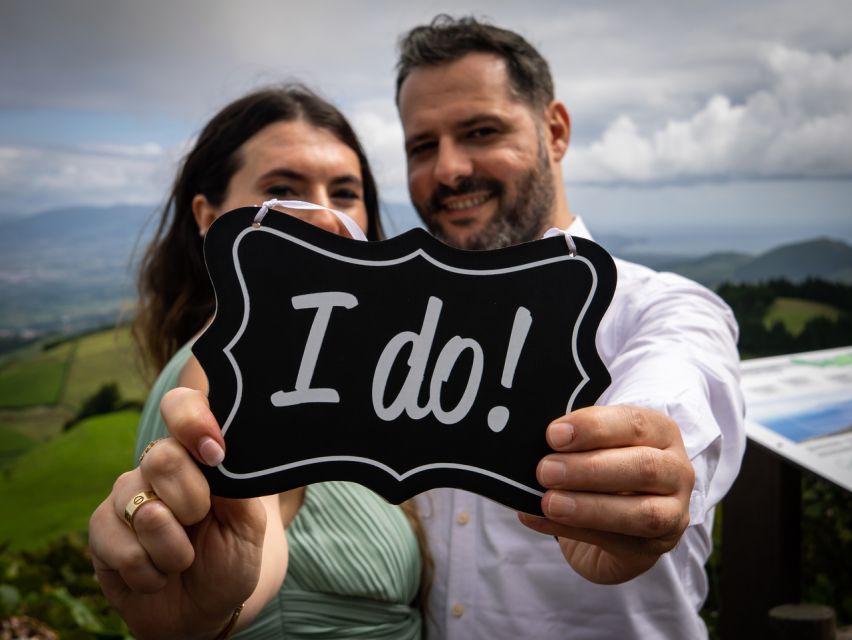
420, 149
482, 132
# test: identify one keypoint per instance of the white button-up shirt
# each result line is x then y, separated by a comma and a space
669, 344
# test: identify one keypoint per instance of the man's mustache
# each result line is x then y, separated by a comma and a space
471, 184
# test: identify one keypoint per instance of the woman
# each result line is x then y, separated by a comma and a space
195, 566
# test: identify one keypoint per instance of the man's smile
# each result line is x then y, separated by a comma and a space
465, 204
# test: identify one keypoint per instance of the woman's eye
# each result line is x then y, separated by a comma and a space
280, 190
347, 195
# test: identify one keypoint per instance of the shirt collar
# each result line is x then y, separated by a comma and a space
578, 228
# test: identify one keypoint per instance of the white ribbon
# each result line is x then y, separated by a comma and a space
351, 226
553, 232
356, 232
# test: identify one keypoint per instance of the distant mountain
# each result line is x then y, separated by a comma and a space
819, 258
709, 270
71, 269
68, 268
712, 269
74, 224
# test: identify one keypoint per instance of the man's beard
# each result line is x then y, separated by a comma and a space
515, 222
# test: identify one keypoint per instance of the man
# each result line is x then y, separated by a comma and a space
484, 138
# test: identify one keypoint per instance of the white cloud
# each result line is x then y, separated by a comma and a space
658, 91
35, 179
377, 125
799, 126
145, 150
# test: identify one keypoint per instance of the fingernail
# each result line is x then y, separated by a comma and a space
211, 452
561, 505
560, 434
551, 473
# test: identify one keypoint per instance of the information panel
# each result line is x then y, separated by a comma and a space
800, 407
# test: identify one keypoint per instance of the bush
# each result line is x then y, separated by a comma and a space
56, 587
827, 546
107, 399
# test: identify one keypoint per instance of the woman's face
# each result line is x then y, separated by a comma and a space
293, 161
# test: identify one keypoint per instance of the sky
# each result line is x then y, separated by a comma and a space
695, 126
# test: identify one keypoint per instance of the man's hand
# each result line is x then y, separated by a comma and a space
618, 490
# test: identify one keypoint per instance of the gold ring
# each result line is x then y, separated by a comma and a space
135, 502
148, 448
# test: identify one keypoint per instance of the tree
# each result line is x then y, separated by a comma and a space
105, 400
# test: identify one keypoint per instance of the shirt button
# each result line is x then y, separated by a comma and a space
463, 517
458, 610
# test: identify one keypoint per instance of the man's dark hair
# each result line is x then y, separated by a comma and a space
447, 39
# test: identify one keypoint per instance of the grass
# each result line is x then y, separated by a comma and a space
40, 390
13, 443
102, 358
794, 313
71, 372
53, 489
37, 423
35, 380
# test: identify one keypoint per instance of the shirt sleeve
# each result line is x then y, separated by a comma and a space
672, 347
151, 424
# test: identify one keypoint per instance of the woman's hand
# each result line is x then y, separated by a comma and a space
190, 559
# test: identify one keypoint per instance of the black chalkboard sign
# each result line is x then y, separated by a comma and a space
403, 364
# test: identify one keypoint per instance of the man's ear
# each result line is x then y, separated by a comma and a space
204, 213
558, 125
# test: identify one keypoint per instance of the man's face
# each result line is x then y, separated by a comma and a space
479, 170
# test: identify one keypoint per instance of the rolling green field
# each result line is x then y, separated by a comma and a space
35, 380
50, 480
794, 313
101, 358
37, 423
40, 390
71, 372
13, 443
52, 489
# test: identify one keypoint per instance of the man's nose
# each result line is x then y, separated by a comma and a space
451, 164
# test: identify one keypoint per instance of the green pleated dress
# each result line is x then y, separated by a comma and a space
354, 565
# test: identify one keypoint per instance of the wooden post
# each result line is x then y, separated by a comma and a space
761, 544
802, 622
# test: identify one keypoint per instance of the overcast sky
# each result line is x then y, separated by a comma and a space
723, 123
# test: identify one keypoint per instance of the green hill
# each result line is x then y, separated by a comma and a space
12, 444
35, 379
711, 270
101, 358
820, 258
43, 386
794, 313
53, 488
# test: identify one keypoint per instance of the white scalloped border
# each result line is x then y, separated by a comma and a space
419, 253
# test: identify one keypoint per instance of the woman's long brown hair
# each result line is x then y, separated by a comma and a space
175, 294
